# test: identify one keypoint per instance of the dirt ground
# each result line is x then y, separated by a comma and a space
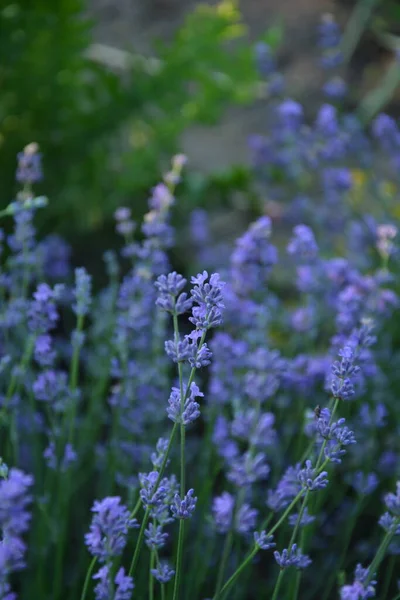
128, 24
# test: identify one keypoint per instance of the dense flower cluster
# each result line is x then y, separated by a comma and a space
243, 415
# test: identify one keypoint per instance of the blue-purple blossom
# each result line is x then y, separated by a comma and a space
59, 464
360, 589
364, 483
14, 522
390, 524
264, 541
191, 408
151, 495
157, 457
208, 300
170, 297
155, 536
248, 468
120, 589
29, 168
188, 350
222, 511
253, 258
292, 558
305, 520
183, 509
342, 374
163, 573
287, 489
109, 528
303, 247
245, 519
392, 501
82, 292
42, 313
310, 479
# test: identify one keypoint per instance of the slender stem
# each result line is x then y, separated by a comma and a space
292, 539
73, 379
87, 578
278, 584
136, 508
381, 552
232, 578
388, 578
224, 559
179, 559
136, 554
151, 578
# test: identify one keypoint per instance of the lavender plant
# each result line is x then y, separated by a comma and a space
212, 440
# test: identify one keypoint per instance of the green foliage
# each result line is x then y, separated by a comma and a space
106, 135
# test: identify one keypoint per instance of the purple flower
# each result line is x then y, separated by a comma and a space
14, 522
55, 253
109, 528
163, 573
158, 456
335, 88
247, 469
311, 480
14, 500
292, 558
187, 350
392, 501
150, 495
341, 384
290, 114
303, 246
82, 292
191, 408
170, 297
44, 354
184, 509
245, 519
305, 520
42, 312
155, 536
222, 511
264, 541
390, 524
359, 590
105, 590
29, 165
207, 296
253, 258
52, 387
54, 463
287, 489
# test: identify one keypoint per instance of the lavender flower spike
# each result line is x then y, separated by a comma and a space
310, 480
209, 300
183, 509
109, 528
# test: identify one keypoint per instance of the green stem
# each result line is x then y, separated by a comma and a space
224, 559
87, 578
236, 574
179, 559
73, 379
278, 584
356, 26
381, 552
145, 519
151, 578
388, 578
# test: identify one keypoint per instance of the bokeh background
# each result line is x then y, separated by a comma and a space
111, 89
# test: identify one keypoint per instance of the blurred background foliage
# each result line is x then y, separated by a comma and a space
106, 134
